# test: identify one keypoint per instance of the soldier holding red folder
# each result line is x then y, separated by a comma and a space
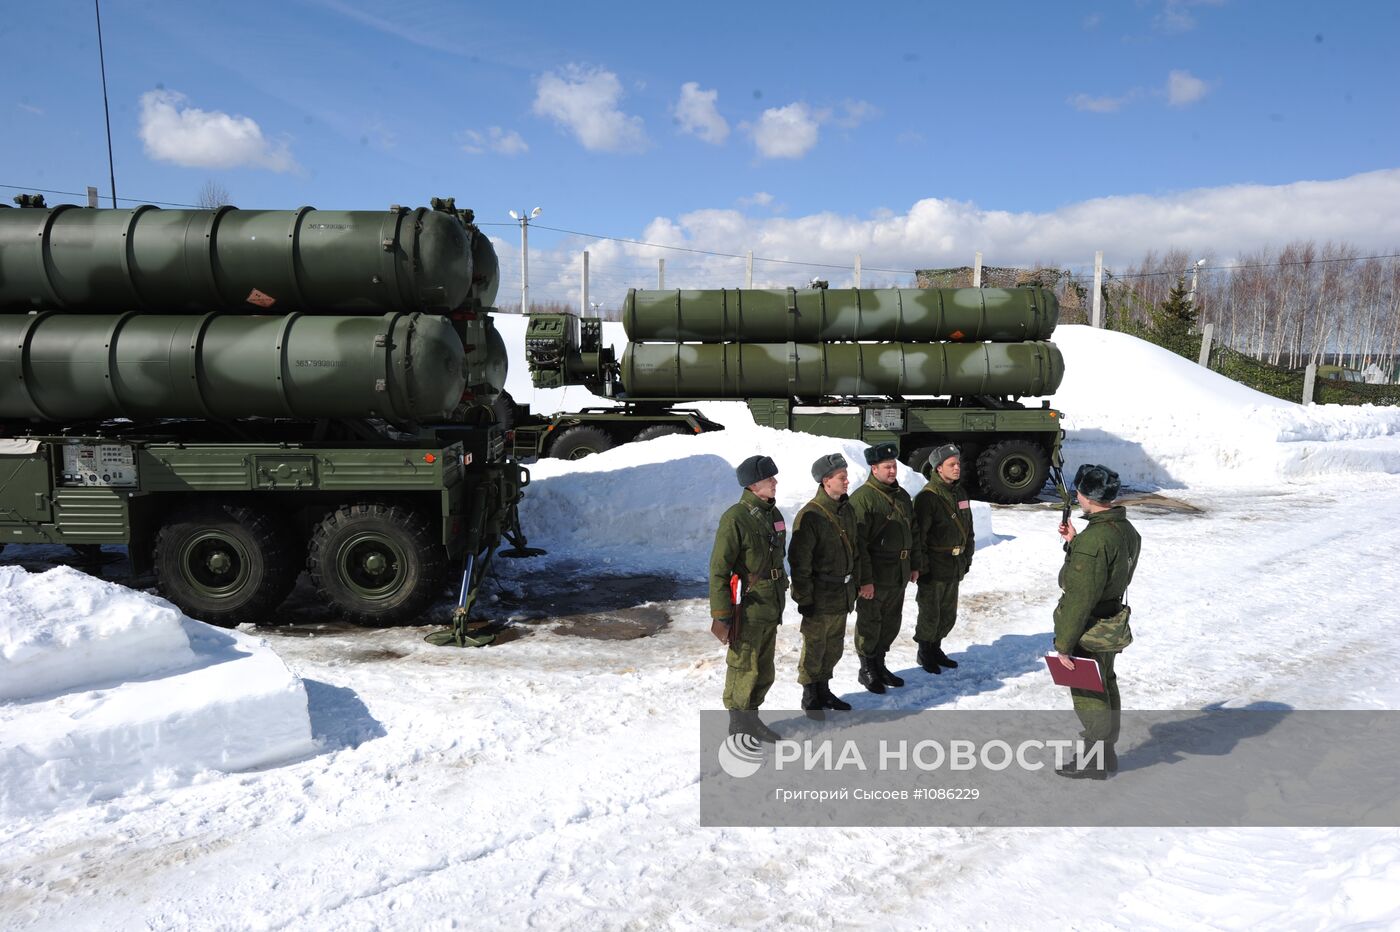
1091, 619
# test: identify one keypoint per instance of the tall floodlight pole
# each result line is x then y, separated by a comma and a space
1195, 270
524, 219
102, 64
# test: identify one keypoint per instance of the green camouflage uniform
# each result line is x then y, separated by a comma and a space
750, 542
943, 521
887, 550
823, 561
1099, 565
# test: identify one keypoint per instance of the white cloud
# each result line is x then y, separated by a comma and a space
855, 112
500, 141
1176, 16
786, 132
1097, 104
173, 131
757, 199
1184, 88
585, 102
31, 109
933, 233
698, 116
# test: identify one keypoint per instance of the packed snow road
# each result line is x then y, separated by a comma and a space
552, 779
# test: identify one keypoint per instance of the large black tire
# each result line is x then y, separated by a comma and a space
918, 460
578, 442
504, 410
377, 563
225, 564
1012, 471
657, 430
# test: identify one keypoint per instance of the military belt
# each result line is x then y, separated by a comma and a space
955, 551
834, 577
772, 574
1106, 610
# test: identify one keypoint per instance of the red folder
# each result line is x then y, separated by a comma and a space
1085, 674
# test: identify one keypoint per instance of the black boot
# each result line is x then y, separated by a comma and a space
928, 659
869, 675
886, 676
831, 700
742, 722
943, 659
813, 701
1094, 768
1090, 772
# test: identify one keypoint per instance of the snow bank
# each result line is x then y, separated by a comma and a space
63, 630
125, 693
1161, 420
653, 507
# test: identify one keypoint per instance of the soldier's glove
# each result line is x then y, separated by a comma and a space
805, 610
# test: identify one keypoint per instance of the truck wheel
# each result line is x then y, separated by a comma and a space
504, 410
578, 442
918, 460
1012, 471
225, 564
377, 563
657, 430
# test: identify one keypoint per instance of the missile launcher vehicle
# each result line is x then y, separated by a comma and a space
237, 395
919, 367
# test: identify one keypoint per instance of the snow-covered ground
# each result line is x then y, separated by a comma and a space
551, 779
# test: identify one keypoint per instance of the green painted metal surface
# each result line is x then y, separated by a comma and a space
833, 370
58, 367
820, 315
83, 260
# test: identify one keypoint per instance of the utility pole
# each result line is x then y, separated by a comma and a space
977, 271
524, 219
748, 270
583, 298
857, 270
1195, 270
1097, 319
660, 274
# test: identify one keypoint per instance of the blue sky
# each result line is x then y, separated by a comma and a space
912, 134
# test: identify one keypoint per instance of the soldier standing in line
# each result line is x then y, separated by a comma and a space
888, 555
943, 519
749, 544
823, 561
1099, 565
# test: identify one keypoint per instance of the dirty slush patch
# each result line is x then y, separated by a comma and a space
566, 600
572, 602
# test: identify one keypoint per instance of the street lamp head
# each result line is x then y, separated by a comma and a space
1200, 262
536, 212
514, 215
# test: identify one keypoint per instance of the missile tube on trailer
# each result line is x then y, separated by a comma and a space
81, 260
910, 315
826, 370
61, 367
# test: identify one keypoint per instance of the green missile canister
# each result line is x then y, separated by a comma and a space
820, 315
813, 371
74, 367
81, 260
